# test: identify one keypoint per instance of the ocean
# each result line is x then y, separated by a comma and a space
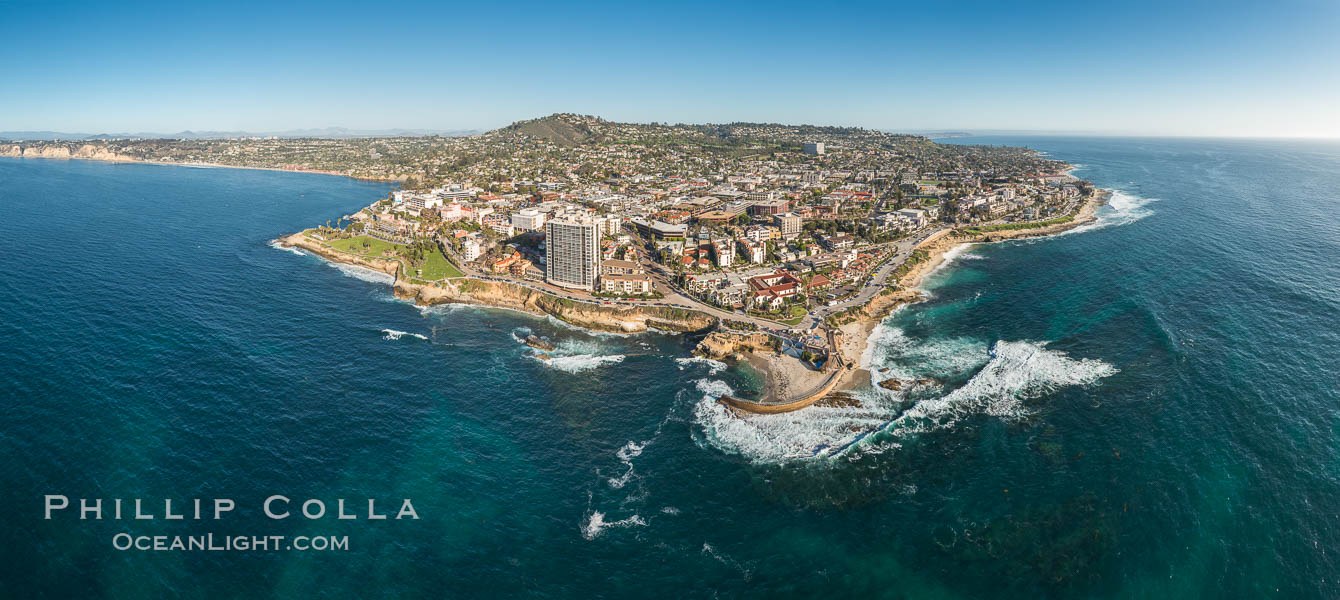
1147, 406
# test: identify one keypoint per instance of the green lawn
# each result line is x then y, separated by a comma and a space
437, 267
355, 245
434, 267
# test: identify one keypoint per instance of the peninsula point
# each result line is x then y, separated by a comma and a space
780, 246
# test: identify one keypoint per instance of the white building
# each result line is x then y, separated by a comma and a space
814, 148
470, 250
754, 251
572, 253
528, 219
916, 216
724, 251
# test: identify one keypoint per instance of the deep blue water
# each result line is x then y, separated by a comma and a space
1144, 408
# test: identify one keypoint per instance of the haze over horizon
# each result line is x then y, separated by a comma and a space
1182, 69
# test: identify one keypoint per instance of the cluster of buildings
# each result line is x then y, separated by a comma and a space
805, 217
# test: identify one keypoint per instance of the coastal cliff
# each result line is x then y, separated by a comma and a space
65, 151
299, 240
465, 290
619, 319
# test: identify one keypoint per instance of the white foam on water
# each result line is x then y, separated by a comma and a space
669, 510
595, 524
909, 359
519, 334
1016, 372
787, 436
1009, 374
395, 334
726, 560
575, 355
278, 246
713, 387
581, 362
626, 455
363, 273
951, 256
1122, 208
440, 309
591, 332
713, 366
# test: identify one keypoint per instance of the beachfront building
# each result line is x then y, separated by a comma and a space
572, 253
625, 284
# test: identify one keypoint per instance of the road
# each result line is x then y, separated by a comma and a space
662, 281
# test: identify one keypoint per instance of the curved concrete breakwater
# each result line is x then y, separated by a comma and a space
842, 370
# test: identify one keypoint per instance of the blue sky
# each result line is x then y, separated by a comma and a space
1163, 68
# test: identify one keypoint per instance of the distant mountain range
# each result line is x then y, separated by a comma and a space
327, 132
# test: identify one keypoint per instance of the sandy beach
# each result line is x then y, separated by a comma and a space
856, 335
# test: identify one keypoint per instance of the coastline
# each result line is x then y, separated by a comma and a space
496, 294
90, 153
856, 335
784, 376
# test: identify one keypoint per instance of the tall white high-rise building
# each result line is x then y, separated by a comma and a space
572, 253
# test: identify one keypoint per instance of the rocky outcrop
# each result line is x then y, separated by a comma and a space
299, 240
720, 344
539, 343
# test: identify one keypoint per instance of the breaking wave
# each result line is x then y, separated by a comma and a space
395, 334
906, 358
1006, 375
582, 362
363, 273
575, 356
713, 366
1122, 209
1017, 371
278, 246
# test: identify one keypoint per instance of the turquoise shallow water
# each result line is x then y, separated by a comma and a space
1146, 408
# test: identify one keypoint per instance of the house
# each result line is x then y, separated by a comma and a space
772, 290
840, 241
